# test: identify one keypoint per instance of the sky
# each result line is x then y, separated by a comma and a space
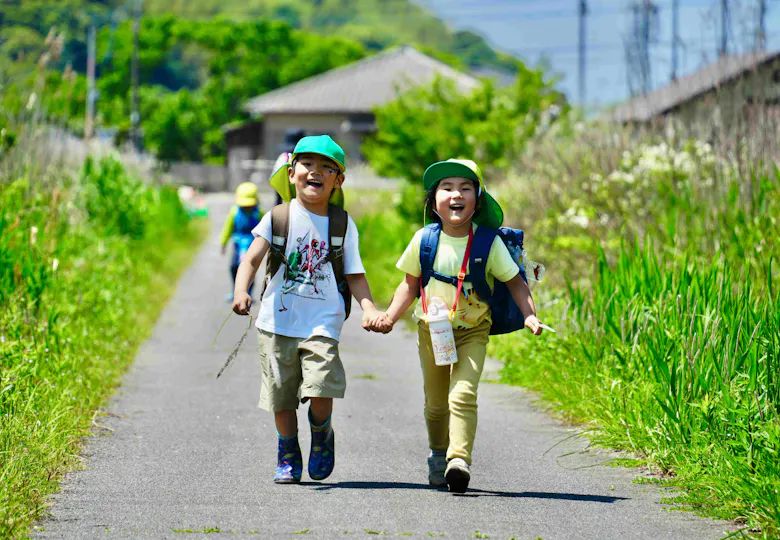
547, 31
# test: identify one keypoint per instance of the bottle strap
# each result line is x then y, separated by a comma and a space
461, 279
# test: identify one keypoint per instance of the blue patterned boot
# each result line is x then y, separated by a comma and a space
323, 450
289, 466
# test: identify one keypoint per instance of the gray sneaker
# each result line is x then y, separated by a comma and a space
437, 463
457, 475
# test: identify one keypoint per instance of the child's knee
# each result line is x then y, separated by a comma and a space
436, 410
463, 396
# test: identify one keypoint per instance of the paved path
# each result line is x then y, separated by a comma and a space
191, 453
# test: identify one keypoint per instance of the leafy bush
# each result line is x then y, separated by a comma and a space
430, 124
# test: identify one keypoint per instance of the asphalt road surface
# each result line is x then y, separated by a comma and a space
183, 454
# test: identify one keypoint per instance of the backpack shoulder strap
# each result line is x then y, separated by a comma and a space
338, 220
429, 243
480, 251
280, 226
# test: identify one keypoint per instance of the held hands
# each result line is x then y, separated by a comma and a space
241, 303
533, 324
377, 321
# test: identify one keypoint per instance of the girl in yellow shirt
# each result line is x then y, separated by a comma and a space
457, 199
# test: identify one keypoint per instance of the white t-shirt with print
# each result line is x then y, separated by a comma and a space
308, 302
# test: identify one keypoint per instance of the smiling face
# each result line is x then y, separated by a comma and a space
315, 177
455, 202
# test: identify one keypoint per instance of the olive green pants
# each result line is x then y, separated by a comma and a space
451, 391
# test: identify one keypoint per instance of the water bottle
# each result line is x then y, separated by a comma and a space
442, 338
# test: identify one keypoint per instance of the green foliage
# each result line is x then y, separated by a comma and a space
381, 256
430, 124
81, 287
209, 63
670, 349
236, 61
377, 24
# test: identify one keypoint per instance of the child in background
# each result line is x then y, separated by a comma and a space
242, 218
456, 198
305, 301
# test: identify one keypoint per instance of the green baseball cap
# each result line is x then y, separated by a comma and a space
314, 144
490, 214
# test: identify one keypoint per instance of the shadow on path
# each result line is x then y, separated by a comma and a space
471, 492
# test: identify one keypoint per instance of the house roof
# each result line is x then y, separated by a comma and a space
358, 87
645, 108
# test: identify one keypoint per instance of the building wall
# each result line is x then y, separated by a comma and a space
275, 126
742, 113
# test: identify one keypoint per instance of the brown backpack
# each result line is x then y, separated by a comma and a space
337, 231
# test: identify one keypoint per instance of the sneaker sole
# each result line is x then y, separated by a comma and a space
439, 482
457, 480
287, 481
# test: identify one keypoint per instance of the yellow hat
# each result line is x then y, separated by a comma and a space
246, 194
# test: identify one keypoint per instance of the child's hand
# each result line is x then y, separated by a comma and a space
533, 324
241, 303
377, 321
383, 323
223, 249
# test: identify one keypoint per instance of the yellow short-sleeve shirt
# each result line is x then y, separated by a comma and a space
449, 258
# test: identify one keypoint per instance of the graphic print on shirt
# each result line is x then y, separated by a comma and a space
306, 269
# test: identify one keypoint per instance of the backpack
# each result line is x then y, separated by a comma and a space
506, 316
243, 223
337, 231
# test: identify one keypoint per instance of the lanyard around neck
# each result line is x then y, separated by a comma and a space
461, 278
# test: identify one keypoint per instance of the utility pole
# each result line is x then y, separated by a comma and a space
724, 28
582, 51
89, 122
135, 114
761, 34
675, 36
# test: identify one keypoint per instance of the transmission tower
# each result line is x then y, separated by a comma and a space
644, 33
723, 49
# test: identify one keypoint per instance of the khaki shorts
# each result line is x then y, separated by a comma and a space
298, 368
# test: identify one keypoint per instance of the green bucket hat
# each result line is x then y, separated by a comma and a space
490, 214
316, 144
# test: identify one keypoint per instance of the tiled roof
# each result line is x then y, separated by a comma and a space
645, 108
360, 86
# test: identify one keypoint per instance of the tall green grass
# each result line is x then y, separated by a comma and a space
383, 238
672, 351
86, 263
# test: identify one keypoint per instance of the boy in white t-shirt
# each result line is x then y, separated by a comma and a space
302, 308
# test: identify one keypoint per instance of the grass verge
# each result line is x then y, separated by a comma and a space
86, 264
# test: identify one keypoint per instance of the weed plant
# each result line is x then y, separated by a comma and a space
87, 260
670, 347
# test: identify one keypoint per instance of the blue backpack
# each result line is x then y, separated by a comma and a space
506, 316
243, 223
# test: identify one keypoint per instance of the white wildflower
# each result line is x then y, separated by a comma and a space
55, 264
33, 235
580, 221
